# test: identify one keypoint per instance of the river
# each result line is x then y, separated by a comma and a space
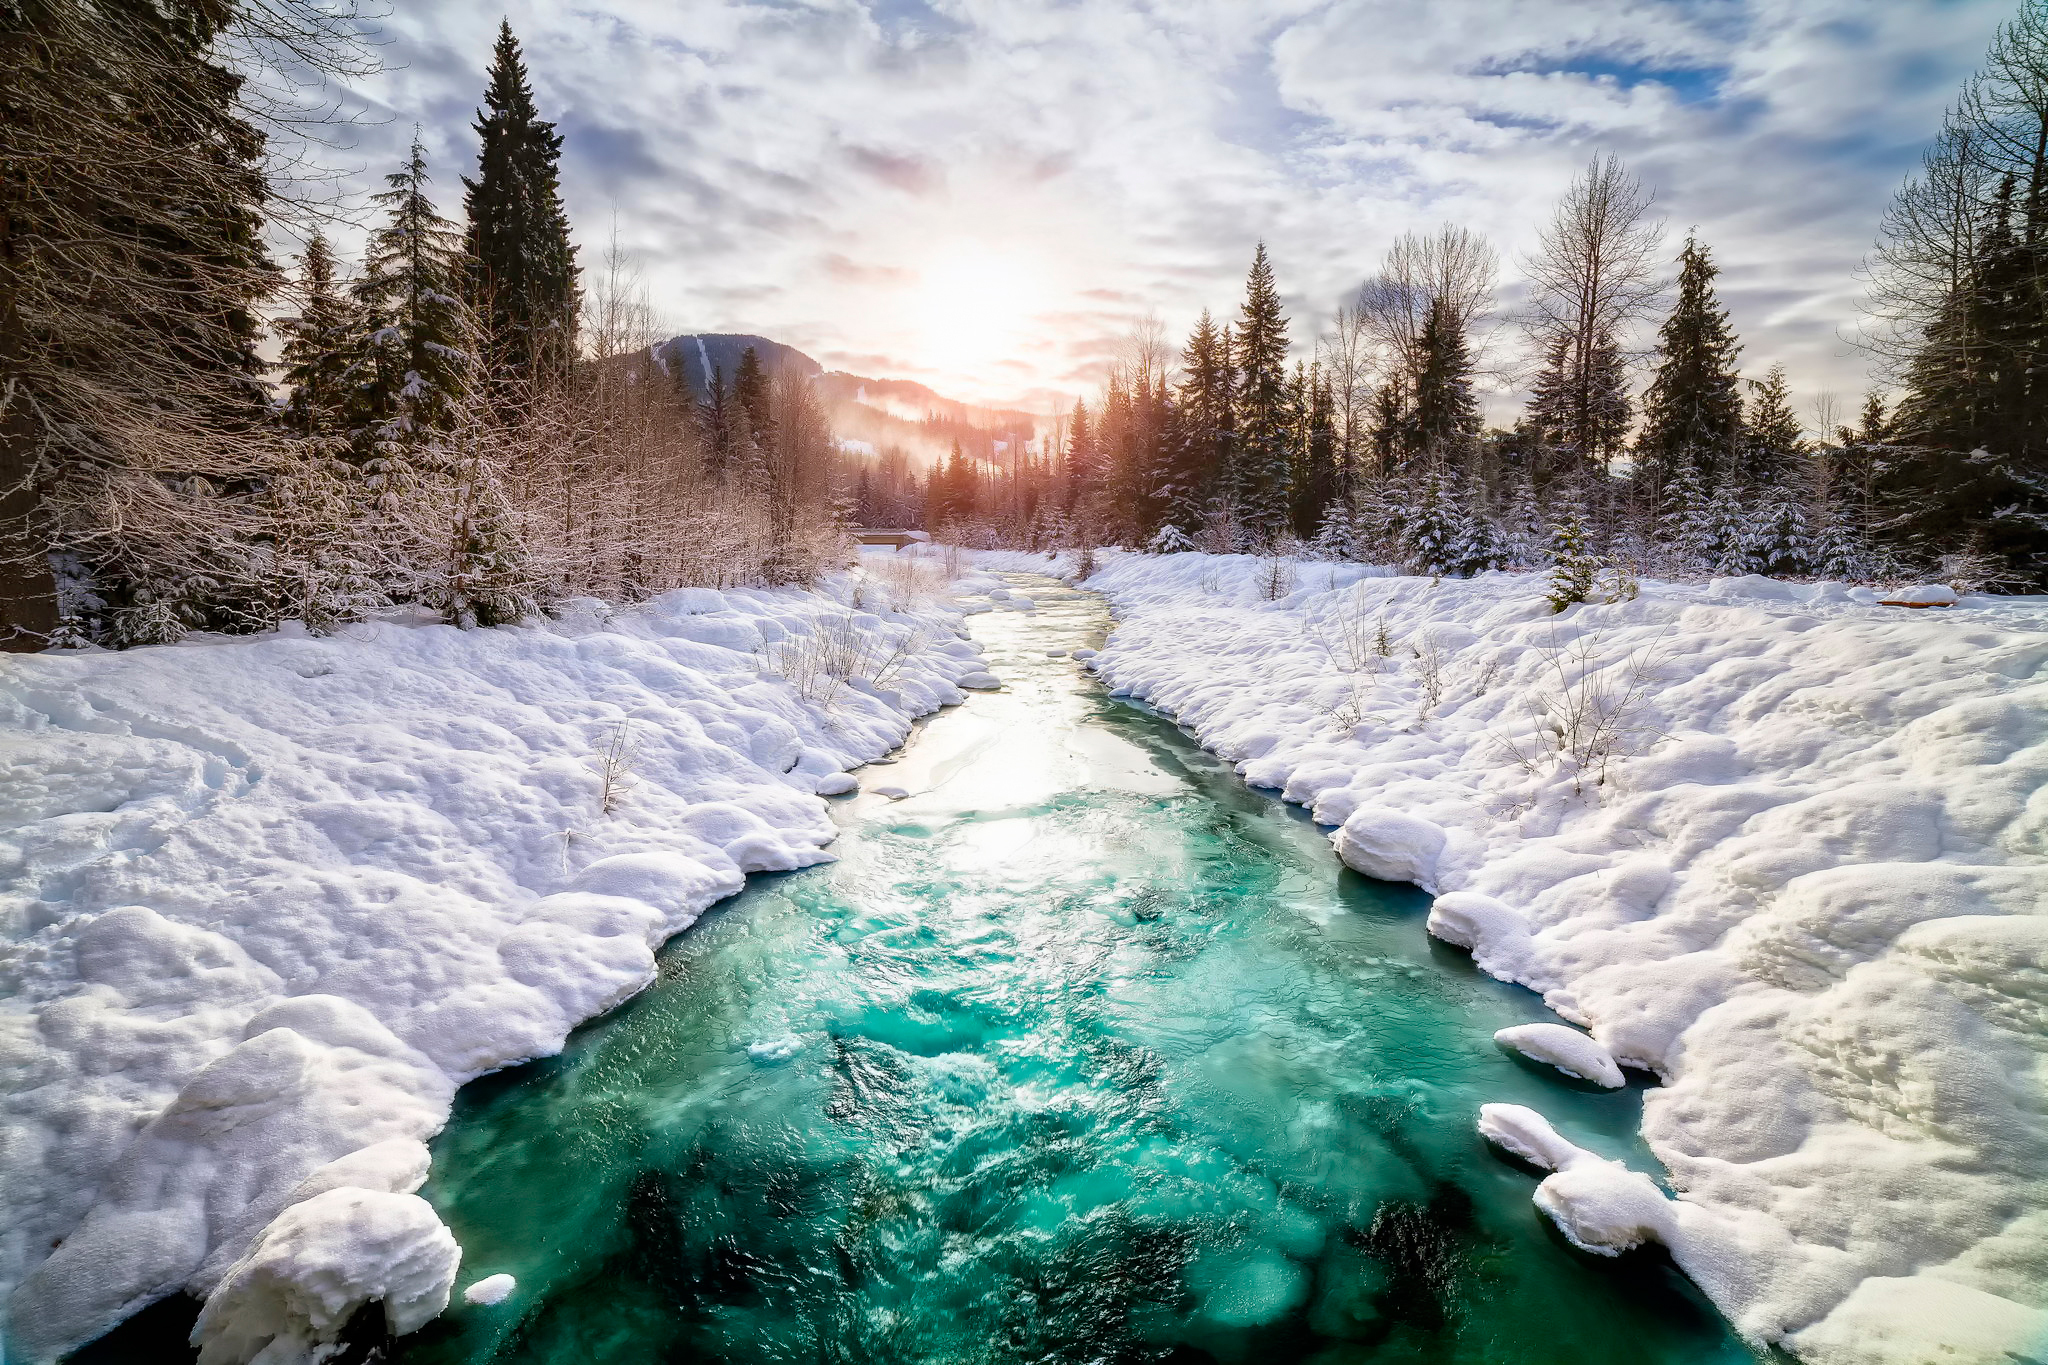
1081, 1052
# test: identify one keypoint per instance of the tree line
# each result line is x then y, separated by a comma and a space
461, 424
1375, 448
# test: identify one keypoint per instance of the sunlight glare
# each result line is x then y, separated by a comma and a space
974, 307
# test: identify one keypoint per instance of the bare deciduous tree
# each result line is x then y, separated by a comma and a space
1593, 278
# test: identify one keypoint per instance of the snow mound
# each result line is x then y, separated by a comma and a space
491, 1289
1567, 1049
320, 1261
270, 900
1384, 843
893, 793
1601, 1206
979, 681
1778, 843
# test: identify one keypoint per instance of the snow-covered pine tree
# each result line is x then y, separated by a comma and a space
1337, 537
1573, 567
1436, 535
1523, 541
485, 578
1260, 486
1778, 541
1445, 411
316, 350
521, 265
1207, 402
1687, 534
1774, 448
413, 366
1692, 413
1169, 539
1727, 524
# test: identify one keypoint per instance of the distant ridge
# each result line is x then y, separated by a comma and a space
874, 412
698, 354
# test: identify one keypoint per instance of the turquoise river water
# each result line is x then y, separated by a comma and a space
1081, 1053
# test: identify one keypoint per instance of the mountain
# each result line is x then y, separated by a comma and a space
877, 413
700, 354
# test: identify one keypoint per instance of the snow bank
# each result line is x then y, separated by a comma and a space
1781, 844
266, 902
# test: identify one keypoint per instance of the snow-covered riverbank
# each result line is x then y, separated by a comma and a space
269, 901
1779, 844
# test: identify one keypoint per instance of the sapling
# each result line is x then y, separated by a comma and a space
1571, 578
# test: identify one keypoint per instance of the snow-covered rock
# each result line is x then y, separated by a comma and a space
979, 681
1779, 843
1567, 1049
266, 902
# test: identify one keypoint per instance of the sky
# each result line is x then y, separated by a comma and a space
985, 195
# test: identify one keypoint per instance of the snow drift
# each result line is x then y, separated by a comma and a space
268, 901
1782, 845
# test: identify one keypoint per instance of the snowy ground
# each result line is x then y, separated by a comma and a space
1783, 846
266, 902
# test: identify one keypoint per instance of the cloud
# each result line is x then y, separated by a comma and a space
794, 169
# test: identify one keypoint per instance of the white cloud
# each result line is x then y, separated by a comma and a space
795, 168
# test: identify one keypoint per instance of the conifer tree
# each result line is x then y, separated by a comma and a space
414, 363
131, 267
1260, 484
1579, 403
1316, 476
1692, 414
1727, 528
1574, 567
521, 274
1778, 540
1207, 402
1774, 445
750, 390
1686, 529
316, 347
1446, 414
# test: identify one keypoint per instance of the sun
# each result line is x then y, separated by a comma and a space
974, 305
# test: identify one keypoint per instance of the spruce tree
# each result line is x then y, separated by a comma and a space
1446, 414
317, 343
1778, 539
521, 265
1686, 528
1580, 404
132, 431
413, 366
1773, 443
1207, 405
1573, 566
1260, 484
1727, 528
1692, 413
1316, 477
